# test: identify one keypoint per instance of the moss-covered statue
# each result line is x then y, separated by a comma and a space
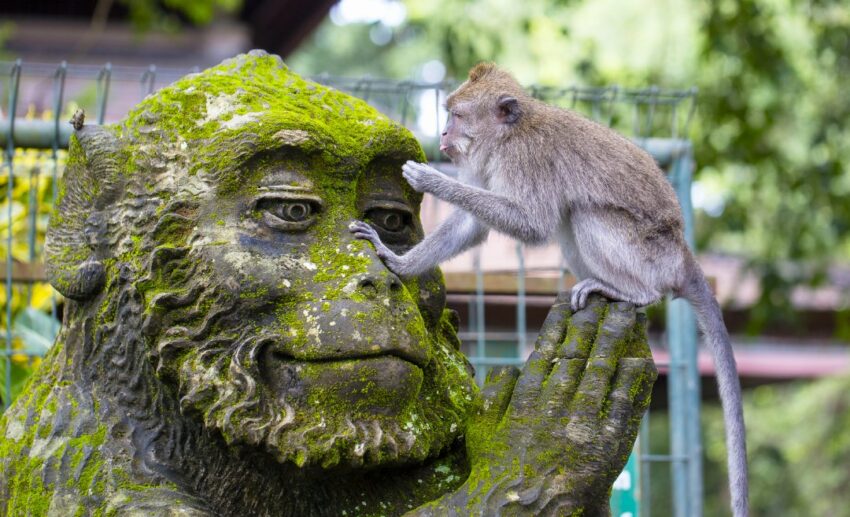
230, 349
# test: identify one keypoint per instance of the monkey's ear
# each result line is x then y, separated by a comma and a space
508, 108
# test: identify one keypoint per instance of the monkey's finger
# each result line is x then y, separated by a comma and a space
415, 164
359, 226
413, 168
363, 229
579, 297
496, 393
366, 236
413, 178
602, 364
425, 168
581, 333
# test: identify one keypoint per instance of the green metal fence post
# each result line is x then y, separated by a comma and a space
103, 80
684, 387
481, 341
520, 301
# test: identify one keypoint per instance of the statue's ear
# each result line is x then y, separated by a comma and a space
76, 241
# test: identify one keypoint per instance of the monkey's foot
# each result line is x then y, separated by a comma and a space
583, 289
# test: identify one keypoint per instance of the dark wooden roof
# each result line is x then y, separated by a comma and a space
277, 26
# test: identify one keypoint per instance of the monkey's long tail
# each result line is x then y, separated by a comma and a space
710, 319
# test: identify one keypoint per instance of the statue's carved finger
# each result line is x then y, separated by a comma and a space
554, 327
582, 331
601, 366
496, 393
633, 406
629, 383
638, 345
526, 396
561, 386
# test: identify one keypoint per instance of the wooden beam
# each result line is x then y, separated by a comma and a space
23, 272
507, 283
535, 283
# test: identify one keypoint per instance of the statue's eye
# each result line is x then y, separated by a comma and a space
285, 213
293, 211
389, 220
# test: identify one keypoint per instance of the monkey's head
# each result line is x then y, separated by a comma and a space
485, 108
207, 238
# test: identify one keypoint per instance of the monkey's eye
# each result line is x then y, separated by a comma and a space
389, 219
283, 212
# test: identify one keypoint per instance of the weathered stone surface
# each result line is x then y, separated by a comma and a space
229, 349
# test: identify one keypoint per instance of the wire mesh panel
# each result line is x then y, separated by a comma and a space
38, 99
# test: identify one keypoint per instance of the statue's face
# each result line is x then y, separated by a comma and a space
222, 203
294, 335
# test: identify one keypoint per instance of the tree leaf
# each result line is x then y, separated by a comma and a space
36, 329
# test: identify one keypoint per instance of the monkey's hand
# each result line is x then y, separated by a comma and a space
552, 439
422, 177
363, 230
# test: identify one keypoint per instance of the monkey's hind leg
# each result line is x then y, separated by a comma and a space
583, 289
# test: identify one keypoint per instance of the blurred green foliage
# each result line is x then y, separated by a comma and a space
799, 450
771, 136
165, 15
774, 132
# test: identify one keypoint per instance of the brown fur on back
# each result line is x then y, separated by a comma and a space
560, 158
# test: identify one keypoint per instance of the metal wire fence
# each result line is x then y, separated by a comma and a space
39, 99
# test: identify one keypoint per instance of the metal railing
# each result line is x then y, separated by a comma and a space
654, 118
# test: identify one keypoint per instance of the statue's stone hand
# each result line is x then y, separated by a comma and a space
551, 440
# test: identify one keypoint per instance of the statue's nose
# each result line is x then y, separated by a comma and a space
383, 283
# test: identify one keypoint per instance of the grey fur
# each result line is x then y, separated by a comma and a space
543, 173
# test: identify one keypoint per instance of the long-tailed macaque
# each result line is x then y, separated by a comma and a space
537, 173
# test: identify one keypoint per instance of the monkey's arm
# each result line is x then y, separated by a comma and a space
459, 232
494, 210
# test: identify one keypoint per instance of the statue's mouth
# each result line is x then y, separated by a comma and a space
409, 355
354, 380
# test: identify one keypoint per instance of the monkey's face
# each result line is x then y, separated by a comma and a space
455, 139
472, 125
485, 108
